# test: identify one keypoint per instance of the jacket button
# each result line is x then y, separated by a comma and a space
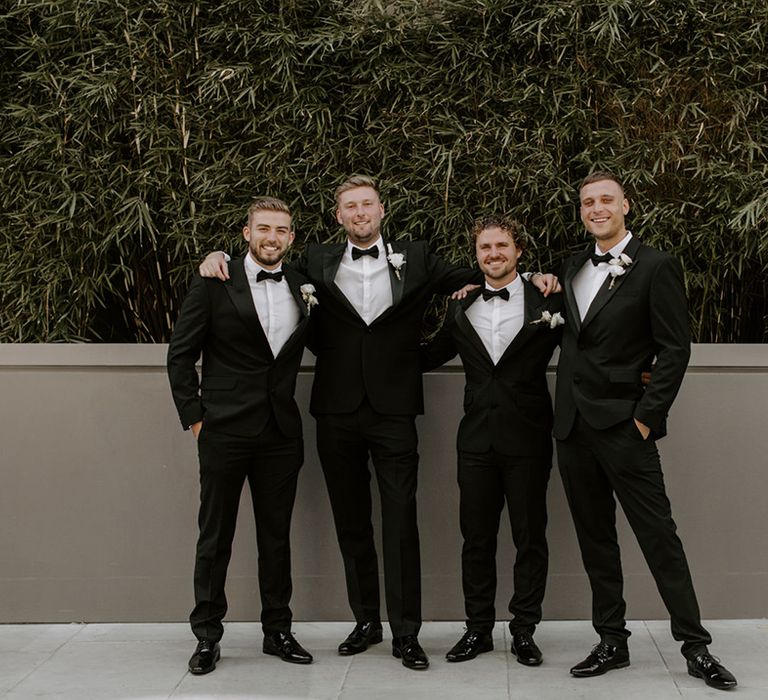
580, 346
576, 379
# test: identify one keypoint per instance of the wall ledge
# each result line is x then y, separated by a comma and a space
703, 355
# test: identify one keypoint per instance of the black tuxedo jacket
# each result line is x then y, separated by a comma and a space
379, 361
242, 382
507, 406
644, 316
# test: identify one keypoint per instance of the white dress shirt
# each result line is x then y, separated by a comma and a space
279, 314
365, 282
588, 280
496, 321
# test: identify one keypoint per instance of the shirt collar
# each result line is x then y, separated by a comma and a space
252, 268
618, 249
513, 287
379, 244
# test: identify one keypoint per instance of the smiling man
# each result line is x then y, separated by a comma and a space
366, 395
505, 336
251, 331
625, 309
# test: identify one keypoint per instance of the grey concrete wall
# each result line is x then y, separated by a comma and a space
98, 496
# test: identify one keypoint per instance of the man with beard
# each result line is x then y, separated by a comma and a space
505, 334
366, 394
251, 331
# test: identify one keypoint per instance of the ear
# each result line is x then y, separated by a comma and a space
291, 236
338, 216
381, 209
247, 233
625, 206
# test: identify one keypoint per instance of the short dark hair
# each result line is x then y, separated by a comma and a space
267, 204
356, 181
507, 224
599, 175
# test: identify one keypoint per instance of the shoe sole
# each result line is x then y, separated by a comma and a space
704, 678
623, 664
534, 662
288, 661
396, 653
469, 658
376, 639
212, 668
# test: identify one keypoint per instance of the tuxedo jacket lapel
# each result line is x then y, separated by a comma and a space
332, 256
574, 316
240, 293
294, 284
295, 281
397, 285
397, 277
607, 289
532, 307
462, 322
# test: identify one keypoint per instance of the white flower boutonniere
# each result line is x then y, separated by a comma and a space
397, 260
553, 320
617, 267
308, 295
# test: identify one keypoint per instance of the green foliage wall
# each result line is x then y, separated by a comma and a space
134, 133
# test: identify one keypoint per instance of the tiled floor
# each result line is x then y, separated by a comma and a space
148, 661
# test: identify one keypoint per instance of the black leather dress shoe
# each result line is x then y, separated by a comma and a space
284, 645
409, 650
712, 671
364, 634
602, 658
470, 645
205, 657
525, 649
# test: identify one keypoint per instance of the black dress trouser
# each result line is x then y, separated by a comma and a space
596, 465
270, 462
344, 443
486, 481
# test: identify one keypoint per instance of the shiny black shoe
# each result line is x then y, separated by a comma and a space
710, 669
205, 657
409, 650
603, 657
470, 645
364, 634
284, 645
525, 649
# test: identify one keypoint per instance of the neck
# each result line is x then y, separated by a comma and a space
502, 281
364, 246
263, 265
606, 244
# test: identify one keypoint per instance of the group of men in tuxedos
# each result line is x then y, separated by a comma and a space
358, 306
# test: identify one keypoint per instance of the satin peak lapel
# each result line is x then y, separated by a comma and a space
607, 290
463, 324
396, 277
332, 256
577, 262
294, 284
533, 307
240, 293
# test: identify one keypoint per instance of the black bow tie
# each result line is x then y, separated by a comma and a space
597, 259
274, 276
501, 293
373, 251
